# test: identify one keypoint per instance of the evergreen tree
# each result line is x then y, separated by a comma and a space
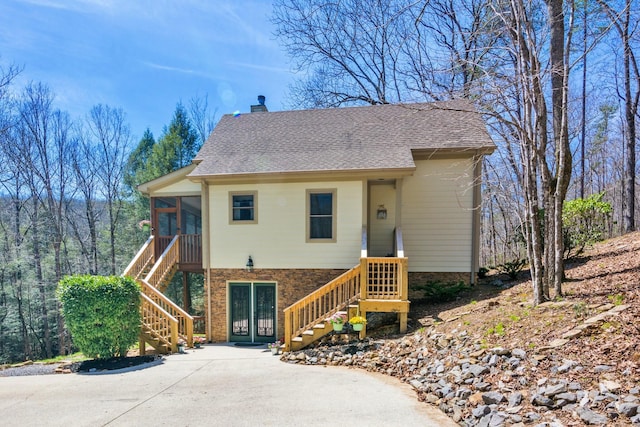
137, 161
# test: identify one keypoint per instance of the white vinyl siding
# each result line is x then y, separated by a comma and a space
279, 239
437, 216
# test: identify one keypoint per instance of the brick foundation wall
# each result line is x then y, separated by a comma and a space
291, 285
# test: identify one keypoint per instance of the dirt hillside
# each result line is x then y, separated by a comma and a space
492, 358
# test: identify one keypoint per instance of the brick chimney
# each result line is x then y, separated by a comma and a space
260, 106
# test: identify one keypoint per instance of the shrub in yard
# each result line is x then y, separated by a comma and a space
102, 313
512, 268
436, 291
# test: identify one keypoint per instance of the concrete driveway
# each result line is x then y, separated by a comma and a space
217, 385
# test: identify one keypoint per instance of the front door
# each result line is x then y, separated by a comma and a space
252, 312
382, 218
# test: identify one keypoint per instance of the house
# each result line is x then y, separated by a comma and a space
294, 215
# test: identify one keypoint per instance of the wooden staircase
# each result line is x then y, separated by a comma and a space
375, 285
164, 323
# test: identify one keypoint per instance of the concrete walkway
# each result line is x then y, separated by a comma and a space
216, 385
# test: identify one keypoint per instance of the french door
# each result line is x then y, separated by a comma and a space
252, 312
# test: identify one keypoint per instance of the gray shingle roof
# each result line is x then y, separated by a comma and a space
339, 139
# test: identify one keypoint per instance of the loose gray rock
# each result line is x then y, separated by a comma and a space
416, 384
515, 399
519, 353
477, 370
552, 390
481, 411
482, 386
590, 417
628, 409
541, 400
492, 397
569, 397
500, 351
497, 419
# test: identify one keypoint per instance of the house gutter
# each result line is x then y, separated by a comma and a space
475, 221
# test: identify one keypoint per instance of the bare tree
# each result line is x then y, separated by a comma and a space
625, 21
202, 119
108, 130
350, 52
85, 168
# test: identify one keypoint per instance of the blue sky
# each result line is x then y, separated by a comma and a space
145, 56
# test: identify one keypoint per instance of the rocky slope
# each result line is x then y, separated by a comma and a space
492, 359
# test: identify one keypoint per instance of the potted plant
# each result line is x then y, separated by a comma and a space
274, 347
357, 322
144, 225
337, 320
198, 341
181, 345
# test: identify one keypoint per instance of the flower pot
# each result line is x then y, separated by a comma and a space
357, 326
181, 349
274, 351
337, 326
197, 345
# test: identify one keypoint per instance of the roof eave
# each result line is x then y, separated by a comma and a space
304, 175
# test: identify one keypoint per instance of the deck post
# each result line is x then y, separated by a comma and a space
142, 345
402, 318
364, 279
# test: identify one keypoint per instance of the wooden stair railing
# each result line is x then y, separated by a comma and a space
184, 320
141, 261
165, 266
159, 328
306, 317
163, 321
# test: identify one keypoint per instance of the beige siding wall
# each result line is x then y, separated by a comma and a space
437, 216
278, 240
183, 187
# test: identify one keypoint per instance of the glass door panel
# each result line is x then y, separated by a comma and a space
240, 312
265, 312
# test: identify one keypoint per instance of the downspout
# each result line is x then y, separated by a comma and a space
475, 219
206, 248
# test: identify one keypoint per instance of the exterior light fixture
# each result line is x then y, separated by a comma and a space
249, 264
382, 212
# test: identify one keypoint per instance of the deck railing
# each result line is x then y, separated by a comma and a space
142, 259
191, 249
320, 304
166, 264
384, 278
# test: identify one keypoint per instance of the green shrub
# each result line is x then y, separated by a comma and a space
436, 291
102, 313
585, 222
512, 268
